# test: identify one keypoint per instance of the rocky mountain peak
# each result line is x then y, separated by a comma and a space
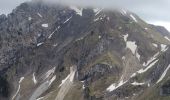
60, 52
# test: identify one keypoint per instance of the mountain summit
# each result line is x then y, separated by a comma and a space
60, 52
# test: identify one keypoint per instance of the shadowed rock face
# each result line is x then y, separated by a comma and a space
4, 86
165, 89
116, 55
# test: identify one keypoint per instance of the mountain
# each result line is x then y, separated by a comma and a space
55, 52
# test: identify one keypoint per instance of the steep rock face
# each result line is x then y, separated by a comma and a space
54, 52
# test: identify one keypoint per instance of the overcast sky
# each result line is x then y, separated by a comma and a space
152, 11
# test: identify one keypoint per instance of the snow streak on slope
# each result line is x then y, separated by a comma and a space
151, 59
54, 32
50, 72
148, 67
33, 78
167, 38
163, 75
97, 11
114, 86
133, 18
39, 15
66, 84
64, 80
138, 56
67, 20
21, 79
123, 12
133, 75
42, 88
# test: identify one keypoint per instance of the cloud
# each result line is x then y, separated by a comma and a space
149, 10
165, 24
152, 11
6, 6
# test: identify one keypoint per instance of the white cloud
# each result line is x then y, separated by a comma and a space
6, 6
162, 23
153, 11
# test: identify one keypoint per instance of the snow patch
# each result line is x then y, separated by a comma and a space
41, 98
133, 18
151, 59
136, 83
111, 87
99, 37
40, 44
29, 18
123, 58
133, 75
55, 45
146, 28
34, 79
16, 92
155, 45
138, 56
99, 18
120, 28
52, 80
163, 47
95, 10
83, 86
164, 74
114, 86
125, 37
167, 38
80, 39
44, 25
50, 72
132, 46
42, 88
96, 19
64, 80
149, 84
70, 77
21, 79
77, 10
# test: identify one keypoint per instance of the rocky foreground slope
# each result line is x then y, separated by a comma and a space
54, 52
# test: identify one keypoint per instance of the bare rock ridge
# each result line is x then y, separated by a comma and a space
55, 52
